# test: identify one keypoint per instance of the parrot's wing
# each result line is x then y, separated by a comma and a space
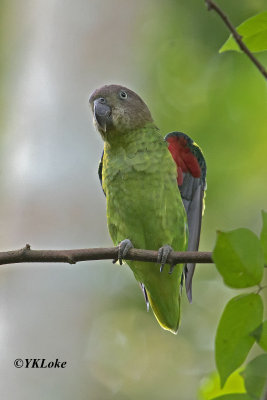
100, 168
191, 168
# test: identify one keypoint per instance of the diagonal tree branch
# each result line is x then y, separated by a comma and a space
213, 6
27, 255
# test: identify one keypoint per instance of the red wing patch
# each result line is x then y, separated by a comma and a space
183, 156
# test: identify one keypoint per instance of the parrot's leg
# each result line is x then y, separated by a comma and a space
124, 246
163, 254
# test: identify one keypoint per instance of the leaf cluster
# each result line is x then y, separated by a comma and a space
253, 32
240, 257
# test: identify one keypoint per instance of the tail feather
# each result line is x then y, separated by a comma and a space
167, 320
162, 290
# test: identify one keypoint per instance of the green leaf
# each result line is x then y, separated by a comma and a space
264, 235
260, 334
241, 316
255, 376
239, 258
233, 396
253, 32
210, 385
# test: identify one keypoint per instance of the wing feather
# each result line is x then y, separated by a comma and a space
192, 184
100, 168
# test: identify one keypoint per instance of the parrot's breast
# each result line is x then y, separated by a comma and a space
143, 199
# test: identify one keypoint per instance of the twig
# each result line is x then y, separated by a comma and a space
238, 38
26, 255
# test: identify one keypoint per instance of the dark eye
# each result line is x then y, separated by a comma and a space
123, 95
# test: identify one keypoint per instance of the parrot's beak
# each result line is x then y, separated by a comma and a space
102, 113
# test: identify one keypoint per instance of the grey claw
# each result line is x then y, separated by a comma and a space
171, 268
163, 255
124, 246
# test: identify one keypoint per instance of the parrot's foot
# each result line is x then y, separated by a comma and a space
163, 255
124, 247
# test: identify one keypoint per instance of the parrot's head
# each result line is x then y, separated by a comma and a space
118, 110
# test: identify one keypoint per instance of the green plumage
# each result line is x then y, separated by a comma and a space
139, 178
145, 206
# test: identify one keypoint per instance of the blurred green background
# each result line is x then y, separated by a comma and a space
54, 53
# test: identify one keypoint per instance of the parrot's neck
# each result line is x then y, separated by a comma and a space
137, 151
132, 140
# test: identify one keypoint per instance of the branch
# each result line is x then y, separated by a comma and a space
213, 6
27, 255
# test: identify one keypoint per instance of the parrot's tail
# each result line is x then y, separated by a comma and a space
168, 319
162, 290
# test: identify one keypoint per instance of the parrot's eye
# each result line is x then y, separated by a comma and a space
123, 95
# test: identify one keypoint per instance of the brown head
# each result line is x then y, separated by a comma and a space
118, 110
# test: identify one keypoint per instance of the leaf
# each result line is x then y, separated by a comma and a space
253, 32
233, 396
210, 385
239, 258
260, 334
255, 376
263, 237
241, 316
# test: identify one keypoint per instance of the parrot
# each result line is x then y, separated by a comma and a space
154, 188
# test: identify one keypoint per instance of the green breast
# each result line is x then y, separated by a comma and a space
143, 199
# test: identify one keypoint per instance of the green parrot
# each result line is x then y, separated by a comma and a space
154, 189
